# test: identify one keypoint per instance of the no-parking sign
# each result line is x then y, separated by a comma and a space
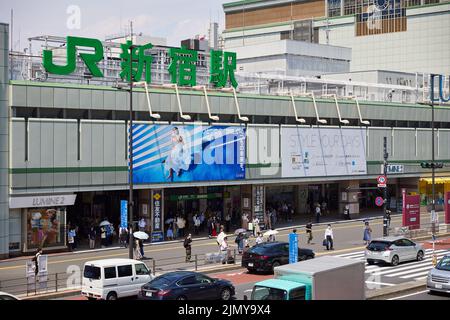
379, 201
382, 181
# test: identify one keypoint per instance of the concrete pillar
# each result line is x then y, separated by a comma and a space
301, 199
348, 194
4, 142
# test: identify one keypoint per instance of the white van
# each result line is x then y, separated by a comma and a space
111, 279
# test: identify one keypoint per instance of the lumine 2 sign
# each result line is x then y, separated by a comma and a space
441, 97
182, 68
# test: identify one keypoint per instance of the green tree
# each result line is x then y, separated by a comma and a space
223, 66
182, 69
140, 61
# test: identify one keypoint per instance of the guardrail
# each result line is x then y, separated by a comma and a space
58, 282
413, 232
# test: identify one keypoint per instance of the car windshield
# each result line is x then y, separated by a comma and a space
378, 245
92, 272
444, 264
265, 293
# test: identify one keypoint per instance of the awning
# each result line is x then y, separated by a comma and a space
436, 180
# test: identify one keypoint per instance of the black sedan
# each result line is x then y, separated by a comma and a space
266, 256
186, 285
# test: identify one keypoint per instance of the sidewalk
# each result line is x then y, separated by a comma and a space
297, 222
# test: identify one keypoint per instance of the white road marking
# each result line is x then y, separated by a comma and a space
409, 295
416, 274
402, 273
381, 283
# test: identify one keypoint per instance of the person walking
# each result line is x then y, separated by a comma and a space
136, 250
224, 250
169, 233
228, 221
256, 227
103, 236
187, 246
92, 236
240, 242
318, 213
347, 212
259, 238
36, 261
309, 232
71, 238
329, 238
197, 224
141, 248
388, 217
367, 236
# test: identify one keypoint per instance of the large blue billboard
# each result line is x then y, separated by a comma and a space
185, 153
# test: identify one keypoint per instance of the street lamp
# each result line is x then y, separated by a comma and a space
175, 86
233, 90
203, 88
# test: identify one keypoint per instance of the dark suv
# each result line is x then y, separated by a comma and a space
267, 256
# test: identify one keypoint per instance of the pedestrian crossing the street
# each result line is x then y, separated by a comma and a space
407, 271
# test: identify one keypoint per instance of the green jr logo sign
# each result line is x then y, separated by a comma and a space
182, 68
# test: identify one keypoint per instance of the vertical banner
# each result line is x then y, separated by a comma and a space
157, 216
447, 208
259, 200
293, 248
411, 210
124, 214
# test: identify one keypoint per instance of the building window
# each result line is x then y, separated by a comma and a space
349, 7
430, 1
334, 8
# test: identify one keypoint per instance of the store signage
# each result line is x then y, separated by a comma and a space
124, 214
441, 97
411, 211
186, 153
42, 201
157, 216
182, 68
393, 168
258, 202
318, 152
293, 248
195, 196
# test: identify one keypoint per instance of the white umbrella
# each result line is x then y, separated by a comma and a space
270, 233
140, 235
104, 223
220, 237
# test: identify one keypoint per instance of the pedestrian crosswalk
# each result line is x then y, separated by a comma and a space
414, 270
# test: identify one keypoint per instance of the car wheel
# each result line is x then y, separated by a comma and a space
111, 296
395, 261
225, 294
432, 292
420, 255
181, 298
274, 265
309, 257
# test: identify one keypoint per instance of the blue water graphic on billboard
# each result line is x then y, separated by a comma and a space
184, 153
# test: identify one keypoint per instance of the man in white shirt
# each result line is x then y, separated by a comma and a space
329, 237
181, 223
259, 238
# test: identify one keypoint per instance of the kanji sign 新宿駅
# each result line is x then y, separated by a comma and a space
137, 61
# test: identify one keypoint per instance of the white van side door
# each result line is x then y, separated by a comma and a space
142, 275
110, 280
125, 280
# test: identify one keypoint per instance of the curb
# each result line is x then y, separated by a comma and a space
407, 287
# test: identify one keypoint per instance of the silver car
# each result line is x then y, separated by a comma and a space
439, 277
393, 250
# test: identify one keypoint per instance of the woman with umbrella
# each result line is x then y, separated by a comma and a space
141, 236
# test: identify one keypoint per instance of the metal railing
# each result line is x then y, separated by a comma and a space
64, 281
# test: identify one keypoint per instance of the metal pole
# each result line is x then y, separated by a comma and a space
433, 204
385, 220
130, 160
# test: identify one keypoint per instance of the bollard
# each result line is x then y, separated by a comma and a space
56, 280
196, 262
385, 227
154, 266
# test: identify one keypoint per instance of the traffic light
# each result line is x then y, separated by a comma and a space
430, 165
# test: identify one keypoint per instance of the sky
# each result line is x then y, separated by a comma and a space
175, 20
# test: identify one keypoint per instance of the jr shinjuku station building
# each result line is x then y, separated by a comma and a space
208, 136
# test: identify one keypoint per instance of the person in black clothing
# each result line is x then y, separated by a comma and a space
309, 232
36, 261
187, 246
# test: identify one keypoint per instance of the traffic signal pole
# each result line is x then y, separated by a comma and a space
385, 219
433, 169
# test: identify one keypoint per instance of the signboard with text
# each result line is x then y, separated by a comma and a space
293, 248
411, 211
157, 217
124, 214
315, 152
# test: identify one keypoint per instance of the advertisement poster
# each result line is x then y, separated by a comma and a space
259, 202
157, 216
313, 152
185, 153
411, 211
45, 228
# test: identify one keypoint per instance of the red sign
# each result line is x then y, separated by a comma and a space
382, 180
447, 208
411, 211
379, 201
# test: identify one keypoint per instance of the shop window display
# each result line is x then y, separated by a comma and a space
45, 228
